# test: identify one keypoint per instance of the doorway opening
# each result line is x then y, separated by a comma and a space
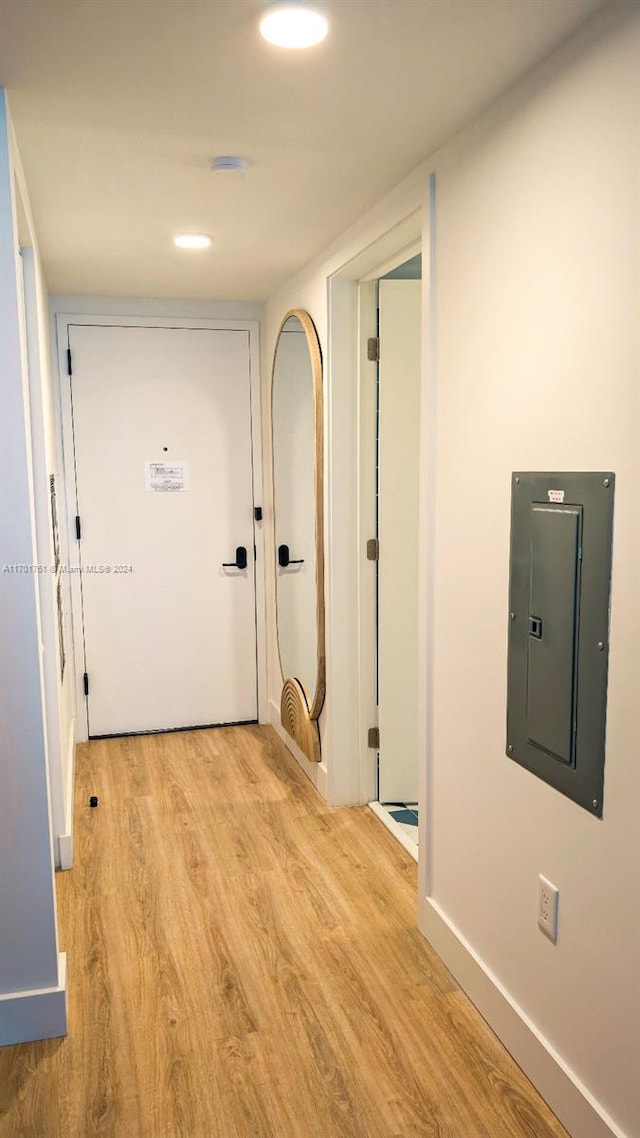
351, 503
397, 294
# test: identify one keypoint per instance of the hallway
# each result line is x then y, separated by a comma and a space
244, 961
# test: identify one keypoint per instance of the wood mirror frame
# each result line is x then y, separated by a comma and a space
298, 712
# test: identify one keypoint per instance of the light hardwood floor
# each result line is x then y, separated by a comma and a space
244, 962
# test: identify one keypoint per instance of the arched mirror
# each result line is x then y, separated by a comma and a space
296, 417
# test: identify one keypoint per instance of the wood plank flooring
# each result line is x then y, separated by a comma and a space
244, 962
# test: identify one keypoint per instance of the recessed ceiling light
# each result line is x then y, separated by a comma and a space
192, 241
293, 25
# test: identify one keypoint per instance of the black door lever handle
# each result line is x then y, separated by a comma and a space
284, 559
240, 561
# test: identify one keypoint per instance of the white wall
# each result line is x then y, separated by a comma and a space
59, 688
536, 293
32, 971
532, 362
46, 461
137, 306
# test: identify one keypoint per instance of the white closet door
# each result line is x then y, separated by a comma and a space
399, 452
162, 426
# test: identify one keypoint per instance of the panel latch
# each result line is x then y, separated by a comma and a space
535, 627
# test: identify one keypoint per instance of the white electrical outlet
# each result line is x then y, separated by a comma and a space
548, 908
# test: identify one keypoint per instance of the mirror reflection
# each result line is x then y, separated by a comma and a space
296, 382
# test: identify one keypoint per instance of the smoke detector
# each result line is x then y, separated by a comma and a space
229, 164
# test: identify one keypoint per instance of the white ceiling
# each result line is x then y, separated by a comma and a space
119, 106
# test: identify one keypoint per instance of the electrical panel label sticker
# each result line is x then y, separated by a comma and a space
556, 495
166, 477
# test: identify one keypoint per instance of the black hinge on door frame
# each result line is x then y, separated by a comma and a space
69, 368
373, 738
85, 683
373, 348
373, 549
78, 528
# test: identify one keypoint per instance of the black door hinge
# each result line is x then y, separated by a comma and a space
373, 738
69, 370
257, 513
78, 528
85, 683
373, 549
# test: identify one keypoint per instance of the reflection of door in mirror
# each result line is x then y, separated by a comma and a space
296, 433
293, 447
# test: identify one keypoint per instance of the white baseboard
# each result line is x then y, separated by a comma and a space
559, 1086
65, 841
394, 828
316, 772
36, 1014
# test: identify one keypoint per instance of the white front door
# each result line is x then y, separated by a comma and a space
163, 454
399, 454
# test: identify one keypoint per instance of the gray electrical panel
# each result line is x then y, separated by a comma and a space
559, 586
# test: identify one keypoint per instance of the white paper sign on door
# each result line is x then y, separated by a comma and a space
166, 477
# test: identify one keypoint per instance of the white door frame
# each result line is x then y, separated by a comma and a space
63, 321
350, 416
